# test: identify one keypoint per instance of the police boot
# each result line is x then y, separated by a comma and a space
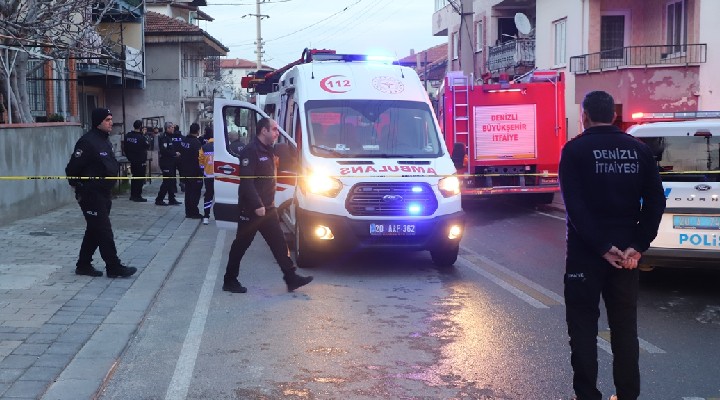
295, 281
119, 271
87, 269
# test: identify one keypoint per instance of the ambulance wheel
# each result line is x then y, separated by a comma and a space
304, 256
445, 257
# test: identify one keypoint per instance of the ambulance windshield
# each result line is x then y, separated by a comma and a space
371, 129
686, 158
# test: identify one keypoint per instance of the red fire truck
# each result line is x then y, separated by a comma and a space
505, 137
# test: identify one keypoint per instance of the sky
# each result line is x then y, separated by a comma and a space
387, 27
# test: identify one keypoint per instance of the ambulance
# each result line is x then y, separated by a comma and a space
687, 149
361, 161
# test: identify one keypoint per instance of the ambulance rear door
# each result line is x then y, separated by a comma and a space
235, 124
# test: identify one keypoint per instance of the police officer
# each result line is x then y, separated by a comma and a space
177, 138
614, 200
168, 156
93, 158
256, 194
190, 171
136, 147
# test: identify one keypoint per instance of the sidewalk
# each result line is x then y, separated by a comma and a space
61, 334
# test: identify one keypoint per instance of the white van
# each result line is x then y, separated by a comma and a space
688, 156
362, 164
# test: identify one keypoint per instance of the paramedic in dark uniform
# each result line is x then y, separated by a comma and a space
136, 147
614, 201
168, 155
190, 171
93, 157
256, 194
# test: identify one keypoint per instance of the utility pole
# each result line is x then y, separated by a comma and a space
259, 42
465, 38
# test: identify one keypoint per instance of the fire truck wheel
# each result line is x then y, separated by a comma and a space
445, 257
543, 198
304, 256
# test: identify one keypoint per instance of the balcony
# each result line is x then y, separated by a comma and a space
512, 54
110, 68
640, 56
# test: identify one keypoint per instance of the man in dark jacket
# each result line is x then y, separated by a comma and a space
614, 200
191, 172
168, 155
93, 158
256, 195
136, 147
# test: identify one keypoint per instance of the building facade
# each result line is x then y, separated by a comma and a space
651, 55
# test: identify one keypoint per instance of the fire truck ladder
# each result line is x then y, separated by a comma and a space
461, 111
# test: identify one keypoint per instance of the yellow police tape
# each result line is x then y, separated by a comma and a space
21, 178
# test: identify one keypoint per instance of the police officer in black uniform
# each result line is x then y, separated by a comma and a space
136, 147
614, 200
93, 158
177, 138
190, 171
256, 195
168, 156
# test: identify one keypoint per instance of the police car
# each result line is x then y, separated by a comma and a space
688, 157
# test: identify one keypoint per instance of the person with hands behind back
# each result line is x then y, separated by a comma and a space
614, 201
256, 196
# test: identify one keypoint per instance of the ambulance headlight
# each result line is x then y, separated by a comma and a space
323, 185
449, 186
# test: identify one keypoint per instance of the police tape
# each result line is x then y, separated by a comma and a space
462, 176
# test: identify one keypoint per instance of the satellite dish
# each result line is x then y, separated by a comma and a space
522, 23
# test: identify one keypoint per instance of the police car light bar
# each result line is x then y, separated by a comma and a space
682, 115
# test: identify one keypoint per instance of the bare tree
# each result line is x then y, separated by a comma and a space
47, 30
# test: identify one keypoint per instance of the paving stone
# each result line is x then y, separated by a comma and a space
8, 375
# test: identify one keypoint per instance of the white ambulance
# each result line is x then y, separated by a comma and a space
361, 161
688, 156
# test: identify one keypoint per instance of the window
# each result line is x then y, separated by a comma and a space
479, 41
614, 37
559, 28
455, 45
677, 25
36, 87
440, 4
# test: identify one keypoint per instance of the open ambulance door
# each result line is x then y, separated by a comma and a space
234, 125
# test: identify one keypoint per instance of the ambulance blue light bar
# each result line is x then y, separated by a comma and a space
672, 116
353, 58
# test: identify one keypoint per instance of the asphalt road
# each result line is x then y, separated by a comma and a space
392, 326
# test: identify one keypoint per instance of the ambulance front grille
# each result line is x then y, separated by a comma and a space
391, 199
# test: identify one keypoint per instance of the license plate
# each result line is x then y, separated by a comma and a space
696, 222
392, 229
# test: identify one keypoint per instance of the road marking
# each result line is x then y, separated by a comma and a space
180, 382
531, 292
520, 286
644, 345
550, 215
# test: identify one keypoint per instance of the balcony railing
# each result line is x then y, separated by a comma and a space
511, 54
633, 56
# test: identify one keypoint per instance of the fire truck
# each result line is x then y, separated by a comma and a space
505, 137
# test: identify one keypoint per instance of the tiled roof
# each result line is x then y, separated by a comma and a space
157, 24
434, 54
240, 63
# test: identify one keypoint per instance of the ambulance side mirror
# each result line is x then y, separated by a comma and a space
458, 155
